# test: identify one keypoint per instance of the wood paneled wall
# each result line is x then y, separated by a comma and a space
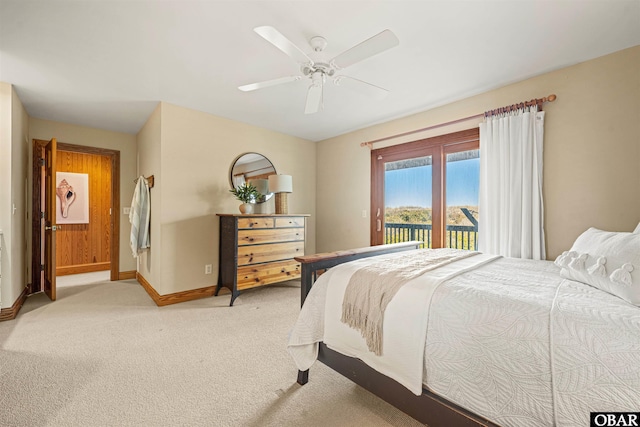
82, 248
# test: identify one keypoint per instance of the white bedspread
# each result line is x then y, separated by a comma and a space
488, 341
495, 336
405, 323
596, 353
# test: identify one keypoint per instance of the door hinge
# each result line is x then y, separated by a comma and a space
41, 267
42, 162
41, 214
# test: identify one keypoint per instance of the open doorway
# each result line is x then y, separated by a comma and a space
89, 243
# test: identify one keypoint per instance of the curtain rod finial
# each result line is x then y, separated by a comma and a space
551, 97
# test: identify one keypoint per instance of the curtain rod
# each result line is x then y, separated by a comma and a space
537, 101
253, 170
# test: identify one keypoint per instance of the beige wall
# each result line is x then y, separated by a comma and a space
149, 161
196, 153
90, 137
591, 154
5, 192
13, 201
19, 177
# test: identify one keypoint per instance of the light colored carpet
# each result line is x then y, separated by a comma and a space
105, 355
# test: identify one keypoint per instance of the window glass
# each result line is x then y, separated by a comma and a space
461, 195
408, 200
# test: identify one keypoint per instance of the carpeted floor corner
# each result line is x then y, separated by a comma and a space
104, 354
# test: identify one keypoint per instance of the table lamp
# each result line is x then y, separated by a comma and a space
281, 185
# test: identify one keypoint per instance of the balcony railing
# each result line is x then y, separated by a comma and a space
457, 237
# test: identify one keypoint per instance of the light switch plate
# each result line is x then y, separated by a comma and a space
125, 211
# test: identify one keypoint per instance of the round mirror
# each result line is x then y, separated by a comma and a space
252, 168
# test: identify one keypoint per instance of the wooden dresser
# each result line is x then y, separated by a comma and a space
258, 249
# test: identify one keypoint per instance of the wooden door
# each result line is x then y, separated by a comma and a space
50, 220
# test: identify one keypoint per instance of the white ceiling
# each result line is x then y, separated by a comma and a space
106, 64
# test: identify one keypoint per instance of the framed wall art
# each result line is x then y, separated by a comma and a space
72, 198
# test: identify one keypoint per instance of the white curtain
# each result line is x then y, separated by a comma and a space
238, 180
511, 211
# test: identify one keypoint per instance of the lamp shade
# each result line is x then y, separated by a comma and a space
261, 185
280, 184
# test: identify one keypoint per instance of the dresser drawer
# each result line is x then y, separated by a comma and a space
270, 252
264, 274
290, 221
273, 235
251, 223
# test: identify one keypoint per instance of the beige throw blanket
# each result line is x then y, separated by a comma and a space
371, 288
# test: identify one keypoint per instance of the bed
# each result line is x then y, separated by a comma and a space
506, 342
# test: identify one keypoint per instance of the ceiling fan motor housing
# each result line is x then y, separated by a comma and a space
318, 43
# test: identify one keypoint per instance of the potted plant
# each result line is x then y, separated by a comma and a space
247, 193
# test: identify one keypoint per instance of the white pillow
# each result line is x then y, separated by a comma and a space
637, 230
606, 260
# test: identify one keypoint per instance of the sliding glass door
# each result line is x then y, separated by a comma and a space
427, 190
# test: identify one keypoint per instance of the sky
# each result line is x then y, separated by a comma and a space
412, 186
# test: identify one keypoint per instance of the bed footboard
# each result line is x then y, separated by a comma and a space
311, 264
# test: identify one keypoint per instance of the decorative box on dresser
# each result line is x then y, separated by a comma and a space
258, 249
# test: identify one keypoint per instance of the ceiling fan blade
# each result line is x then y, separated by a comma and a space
267, 83
368, 48
361, 86
274, 37
314, 98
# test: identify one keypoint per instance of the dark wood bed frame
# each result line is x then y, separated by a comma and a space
427, 408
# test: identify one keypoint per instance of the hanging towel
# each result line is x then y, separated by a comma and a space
139, 217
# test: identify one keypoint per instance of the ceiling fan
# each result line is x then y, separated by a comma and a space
320, 69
